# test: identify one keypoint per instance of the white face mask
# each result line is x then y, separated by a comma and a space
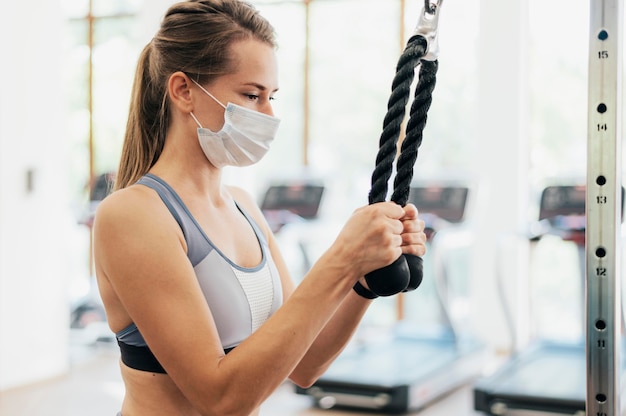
243, 140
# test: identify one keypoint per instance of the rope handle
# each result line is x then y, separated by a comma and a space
406, 273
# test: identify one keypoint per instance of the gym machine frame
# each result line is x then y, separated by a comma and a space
603, 212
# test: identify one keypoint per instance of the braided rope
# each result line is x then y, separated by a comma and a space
415, 128
396, 108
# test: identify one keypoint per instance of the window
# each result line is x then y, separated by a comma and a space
100, 70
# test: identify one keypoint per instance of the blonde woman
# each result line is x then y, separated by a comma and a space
195, 288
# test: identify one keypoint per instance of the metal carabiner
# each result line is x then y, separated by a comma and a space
431, 7
427, 28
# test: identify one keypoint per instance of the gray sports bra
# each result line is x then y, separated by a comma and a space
241, 299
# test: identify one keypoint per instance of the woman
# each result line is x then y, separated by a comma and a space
206, 316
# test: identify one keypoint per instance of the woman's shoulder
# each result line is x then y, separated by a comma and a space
134, 222
125, 198
131, 207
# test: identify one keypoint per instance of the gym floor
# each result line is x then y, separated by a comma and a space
94, 387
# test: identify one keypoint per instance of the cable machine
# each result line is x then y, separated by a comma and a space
603, 211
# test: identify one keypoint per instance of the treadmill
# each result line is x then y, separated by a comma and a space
411, 365
285, 203
288, 205
550, 375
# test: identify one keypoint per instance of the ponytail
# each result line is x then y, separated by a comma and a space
145, 128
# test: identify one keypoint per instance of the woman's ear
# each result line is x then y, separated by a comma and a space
179, 90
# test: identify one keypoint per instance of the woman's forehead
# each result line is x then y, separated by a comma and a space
255, 63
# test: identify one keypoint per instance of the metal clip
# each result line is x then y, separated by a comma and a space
427, 28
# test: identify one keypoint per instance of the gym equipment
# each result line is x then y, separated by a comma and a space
288, 202
412, 366
604, 136
550, 375
99, 188
405, 274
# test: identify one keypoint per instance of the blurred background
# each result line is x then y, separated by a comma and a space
509, 117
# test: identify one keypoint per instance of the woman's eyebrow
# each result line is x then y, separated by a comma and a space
258, 86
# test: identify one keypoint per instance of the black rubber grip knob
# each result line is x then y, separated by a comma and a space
391, 279
403, 275
416, 271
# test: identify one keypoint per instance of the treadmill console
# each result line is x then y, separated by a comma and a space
283, 203
445, 202
563, 206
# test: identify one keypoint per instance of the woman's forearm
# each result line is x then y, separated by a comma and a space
331, 340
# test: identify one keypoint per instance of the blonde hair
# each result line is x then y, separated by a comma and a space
194, 37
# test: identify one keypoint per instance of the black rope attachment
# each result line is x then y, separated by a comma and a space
405, 273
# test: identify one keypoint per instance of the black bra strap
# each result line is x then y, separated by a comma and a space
140, 358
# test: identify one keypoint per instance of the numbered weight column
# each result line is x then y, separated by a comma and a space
604, 209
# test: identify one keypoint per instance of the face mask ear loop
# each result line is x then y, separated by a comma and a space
208, 93
195, 119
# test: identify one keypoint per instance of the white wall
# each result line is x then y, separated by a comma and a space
501, 162
33, 222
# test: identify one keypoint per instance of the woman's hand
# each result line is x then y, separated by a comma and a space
413, 235
376, 235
